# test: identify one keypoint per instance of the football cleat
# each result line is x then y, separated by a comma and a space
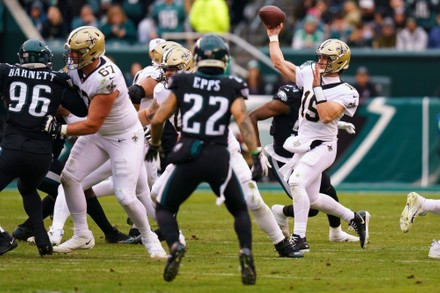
360, 224
413, 208
434, 251
281, 219
173, 263
153, 246
55, 235
134, 232
299, 243
247, 267
342, 237
117, 236
22, 232
7, 242
286, 249
83, 241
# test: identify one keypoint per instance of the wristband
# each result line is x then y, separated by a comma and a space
63, 130
273, 38
257, 151
319, 95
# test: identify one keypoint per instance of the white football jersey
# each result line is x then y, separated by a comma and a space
310, 126
160, 94
150, 71
105, 79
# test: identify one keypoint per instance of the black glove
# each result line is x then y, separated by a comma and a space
52, 126
257, 168
153, 151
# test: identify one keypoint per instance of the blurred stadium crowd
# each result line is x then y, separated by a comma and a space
398, 24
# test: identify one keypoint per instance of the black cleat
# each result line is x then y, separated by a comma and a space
248, 273
286, 249
45, 249
134, 232
173, 263
43, 244
7, 242
23, 232
299, 243
360, 225
117, 236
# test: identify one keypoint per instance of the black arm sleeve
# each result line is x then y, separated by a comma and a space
73, 102
136, 93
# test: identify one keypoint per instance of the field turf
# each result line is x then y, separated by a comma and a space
392, 262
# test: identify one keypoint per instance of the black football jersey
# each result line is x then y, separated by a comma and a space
204, 102
31, 94
283, 126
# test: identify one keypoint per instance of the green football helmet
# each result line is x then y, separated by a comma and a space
211, 51
35, 51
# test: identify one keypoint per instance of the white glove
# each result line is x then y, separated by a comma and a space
347, 126
265, 165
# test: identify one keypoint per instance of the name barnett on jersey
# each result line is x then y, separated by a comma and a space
31, 74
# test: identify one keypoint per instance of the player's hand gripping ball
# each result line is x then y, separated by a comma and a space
271, 16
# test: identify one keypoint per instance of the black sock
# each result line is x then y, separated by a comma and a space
94, 209
288, 211
48, 204
168, 225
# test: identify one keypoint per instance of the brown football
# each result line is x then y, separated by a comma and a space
271, 15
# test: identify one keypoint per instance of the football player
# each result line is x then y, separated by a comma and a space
111, 131
324, 101
177, 59
206, 100
284, 108
417, 205
32, 91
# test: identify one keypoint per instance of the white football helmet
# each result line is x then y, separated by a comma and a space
338, 52
89, 42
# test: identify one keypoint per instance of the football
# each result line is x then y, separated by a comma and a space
271, 15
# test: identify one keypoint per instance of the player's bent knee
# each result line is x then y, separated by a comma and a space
253, 197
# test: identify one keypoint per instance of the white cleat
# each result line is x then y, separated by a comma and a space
343, 237
84, 241
182, 238
153, 246
434, 251
413, 208
282, 221
55, 235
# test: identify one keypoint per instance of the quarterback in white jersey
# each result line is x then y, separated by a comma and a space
325, 100
111, 131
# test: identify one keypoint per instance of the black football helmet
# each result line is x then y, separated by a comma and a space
211, 51
35, 51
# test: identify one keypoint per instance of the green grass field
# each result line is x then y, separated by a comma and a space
393, 261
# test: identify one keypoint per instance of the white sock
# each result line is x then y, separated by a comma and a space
336, 231
137, 213
301, 207
76, 202
60, 211
328, 205
267, 223
432, 206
